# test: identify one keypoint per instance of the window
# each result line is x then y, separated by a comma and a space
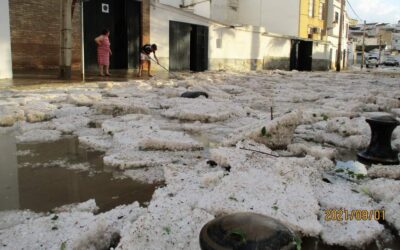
310, 33
322, 11
336, 17
311, 8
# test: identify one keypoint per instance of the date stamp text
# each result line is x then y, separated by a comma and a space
355, 214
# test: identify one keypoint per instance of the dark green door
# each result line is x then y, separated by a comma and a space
179, 45
305, 55
199, 48
188, 46
122, 18
133, 10
301, 55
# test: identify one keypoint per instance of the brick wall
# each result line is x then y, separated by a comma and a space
35, 34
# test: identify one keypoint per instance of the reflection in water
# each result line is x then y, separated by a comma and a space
9, 194
27, 184
42, 189
346, 154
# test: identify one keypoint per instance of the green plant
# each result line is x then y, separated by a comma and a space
238, 235
297, 242
365, 191
167, 230
63, 246
359, 176
233, 198
350, 173
263, 131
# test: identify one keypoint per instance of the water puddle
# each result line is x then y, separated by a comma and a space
43, 176
346, 155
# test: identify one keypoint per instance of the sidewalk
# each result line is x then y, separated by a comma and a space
44, 77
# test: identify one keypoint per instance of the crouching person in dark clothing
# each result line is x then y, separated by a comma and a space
145, 57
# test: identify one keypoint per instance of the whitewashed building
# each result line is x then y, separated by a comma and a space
5, 41
267, 14
332, 27
280, 17
242, 35
396, 41
197, 7
227, 46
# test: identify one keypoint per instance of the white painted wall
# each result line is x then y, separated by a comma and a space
201, 9
396, 41
320, 51
246, 43
280, 17
250, 12
239, 43
222, 12
174, 3
5, 41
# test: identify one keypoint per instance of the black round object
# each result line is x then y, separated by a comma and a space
246, 231
380, 148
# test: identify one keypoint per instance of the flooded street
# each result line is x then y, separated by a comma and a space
174, 163
42, 176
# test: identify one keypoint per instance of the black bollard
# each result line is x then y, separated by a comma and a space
246, 231
380, 148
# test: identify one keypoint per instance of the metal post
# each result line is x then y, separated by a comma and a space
82, 44
363, 46
66, 39
380, 47
341, 23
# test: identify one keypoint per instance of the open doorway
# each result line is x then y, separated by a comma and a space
123, 19
188, 46
301, 55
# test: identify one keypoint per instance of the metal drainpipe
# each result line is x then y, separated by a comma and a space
82, 45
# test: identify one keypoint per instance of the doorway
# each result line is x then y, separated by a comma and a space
301, 55
123, 19
344, 59
188, 46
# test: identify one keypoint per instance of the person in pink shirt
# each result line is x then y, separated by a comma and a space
103, 52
